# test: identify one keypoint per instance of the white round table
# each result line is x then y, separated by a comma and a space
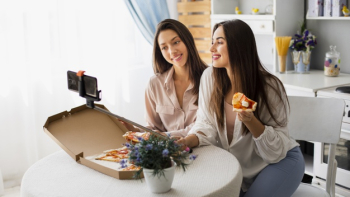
215, 172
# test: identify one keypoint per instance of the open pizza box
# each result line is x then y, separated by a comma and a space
85, 133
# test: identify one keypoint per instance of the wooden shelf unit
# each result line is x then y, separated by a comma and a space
196, 16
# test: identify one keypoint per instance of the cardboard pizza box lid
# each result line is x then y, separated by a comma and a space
83, 132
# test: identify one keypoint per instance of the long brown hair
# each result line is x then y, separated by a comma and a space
249, 75
195, 64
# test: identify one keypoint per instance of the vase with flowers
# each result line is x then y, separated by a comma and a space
158, 156
302, 45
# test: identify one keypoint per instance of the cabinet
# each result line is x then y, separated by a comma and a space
285, 20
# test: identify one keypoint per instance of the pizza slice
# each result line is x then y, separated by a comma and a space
132, 167
114, 155
109, 158
242, 103
136, 136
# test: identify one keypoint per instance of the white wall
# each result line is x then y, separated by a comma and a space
330, 32
172, 6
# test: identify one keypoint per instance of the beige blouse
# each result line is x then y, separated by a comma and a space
163, 111
254, 154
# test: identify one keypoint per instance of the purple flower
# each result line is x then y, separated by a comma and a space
136, 148
193, 157
168, 134
165, 152
303, 42
123, 163
149, 146
127, 145
297, 35
311, 43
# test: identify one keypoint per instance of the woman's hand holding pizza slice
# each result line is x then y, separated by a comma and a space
244, 106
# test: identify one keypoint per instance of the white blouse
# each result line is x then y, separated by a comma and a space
254, 154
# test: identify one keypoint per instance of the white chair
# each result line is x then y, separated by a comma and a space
318, 120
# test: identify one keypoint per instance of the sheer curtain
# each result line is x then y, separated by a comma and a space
147, 14
39, 41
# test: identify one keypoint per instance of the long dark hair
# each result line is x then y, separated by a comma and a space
249, 75
195, 64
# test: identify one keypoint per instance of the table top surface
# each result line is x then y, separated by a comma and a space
312, 82
215, 172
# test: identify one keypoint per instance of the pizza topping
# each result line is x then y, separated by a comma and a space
245, 104
109, 158
136, 136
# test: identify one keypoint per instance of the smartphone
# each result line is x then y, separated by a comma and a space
89, 82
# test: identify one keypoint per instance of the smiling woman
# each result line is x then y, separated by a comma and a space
40, 41
172, 93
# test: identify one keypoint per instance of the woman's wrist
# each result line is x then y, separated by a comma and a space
191, 140
255, 127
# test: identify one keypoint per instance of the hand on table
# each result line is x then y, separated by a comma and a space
182, 142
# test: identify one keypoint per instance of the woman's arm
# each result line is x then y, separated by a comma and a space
181, 132
252, 123
273, 144
204, 131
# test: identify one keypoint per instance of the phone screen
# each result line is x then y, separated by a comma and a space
89, 82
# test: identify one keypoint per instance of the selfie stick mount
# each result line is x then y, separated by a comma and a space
82, 92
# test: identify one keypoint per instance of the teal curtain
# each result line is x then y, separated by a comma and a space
147, 14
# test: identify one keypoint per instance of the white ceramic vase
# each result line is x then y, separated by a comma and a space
160, 184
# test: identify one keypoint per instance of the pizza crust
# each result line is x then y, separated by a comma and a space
253, 108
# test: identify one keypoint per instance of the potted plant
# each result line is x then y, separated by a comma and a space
158, 156
302, 45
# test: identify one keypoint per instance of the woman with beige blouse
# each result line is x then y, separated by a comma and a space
171, 96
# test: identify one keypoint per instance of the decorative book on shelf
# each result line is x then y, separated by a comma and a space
196, 16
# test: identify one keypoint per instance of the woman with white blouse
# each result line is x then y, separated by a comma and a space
271, 161
171, 96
